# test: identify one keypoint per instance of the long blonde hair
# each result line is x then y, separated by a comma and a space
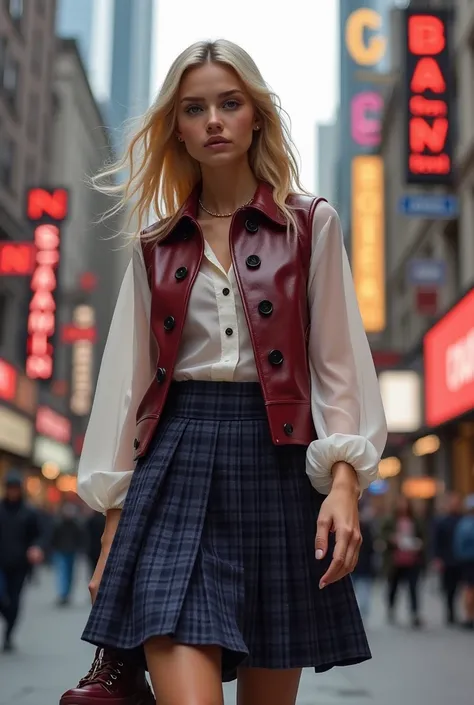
161, 173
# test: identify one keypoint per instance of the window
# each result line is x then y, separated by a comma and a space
16, 9
10, 80
32, 120
3, 56
7, 163
37, 52
3, 314
30, 172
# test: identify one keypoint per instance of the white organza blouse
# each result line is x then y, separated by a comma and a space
345, 397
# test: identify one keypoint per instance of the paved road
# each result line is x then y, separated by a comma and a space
430, 667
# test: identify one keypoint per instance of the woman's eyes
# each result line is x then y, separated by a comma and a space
228, 105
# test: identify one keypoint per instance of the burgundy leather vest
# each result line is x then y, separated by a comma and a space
271, 268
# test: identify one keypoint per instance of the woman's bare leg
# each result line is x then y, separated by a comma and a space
184, 675
263, 686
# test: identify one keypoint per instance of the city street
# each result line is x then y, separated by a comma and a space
431, 667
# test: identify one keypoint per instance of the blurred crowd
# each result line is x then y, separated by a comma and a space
400, 548
404, 546
30, 536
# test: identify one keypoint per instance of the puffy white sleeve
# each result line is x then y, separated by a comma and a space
127, 368
345, 397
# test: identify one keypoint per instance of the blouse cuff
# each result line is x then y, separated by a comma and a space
355, 450
103, 490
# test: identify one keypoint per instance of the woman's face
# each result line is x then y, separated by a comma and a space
216, 118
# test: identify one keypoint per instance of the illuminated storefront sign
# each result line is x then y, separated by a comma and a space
46, 209
17, 258
50, 423
366, 44
8, 381
16, 433
429, 153
82, 361
368, 240
46, 450
364, 57
401, 397
449, 364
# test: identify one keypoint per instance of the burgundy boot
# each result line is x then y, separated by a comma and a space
110, 682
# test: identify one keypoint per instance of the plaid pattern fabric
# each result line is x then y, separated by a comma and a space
216, 544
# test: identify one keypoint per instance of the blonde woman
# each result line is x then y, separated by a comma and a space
237, 415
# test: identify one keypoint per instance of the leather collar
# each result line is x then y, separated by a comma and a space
262, 202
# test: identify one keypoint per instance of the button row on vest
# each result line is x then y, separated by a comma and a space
181, 273
275, 357
161, 374
253, 261
169, 323
251, 227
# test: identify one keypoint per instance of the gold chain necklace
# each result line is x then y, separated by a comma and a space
222, 215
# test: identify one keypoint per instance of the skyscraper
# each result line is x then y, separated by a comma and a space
114, 38
75, 20
131, 60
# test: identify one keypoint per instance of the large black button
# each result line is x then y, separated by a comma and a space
181, 273
265, 308
253, 261
160, 374
136, 443
169, 323
275, 357
226, 291
288, 429
251, 226
229, 331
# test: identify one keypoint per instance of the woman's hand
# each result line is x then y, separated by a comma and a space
339, 514
113, 518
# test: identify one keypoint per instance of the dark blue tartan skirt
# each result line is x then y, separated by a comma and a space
215, 544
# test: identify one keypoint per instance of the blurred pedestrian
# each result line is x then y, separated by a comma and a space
464, 551
21, 545
94, 526
67, 541
445, 559
364, 572
197, 452
404, 540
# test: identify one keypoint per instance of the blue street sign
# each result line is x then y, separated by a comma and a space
429, 206
426, 272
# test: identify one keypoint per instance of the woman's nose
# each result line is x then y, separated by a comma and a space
214, 121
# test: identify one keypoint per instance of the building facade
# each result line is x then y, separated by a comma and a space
428, 149
27, 49
92, 260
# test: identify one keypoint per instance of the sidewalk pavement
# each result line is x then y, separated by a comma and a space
433, 666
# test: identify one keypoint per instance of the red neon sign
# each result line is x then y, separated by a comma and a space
48, 207
73, 334
429, 156
449, 364
17, 258
51, 424
8, 381
44, 203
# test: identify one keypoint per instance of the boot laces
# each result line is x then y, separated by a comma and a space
103, 671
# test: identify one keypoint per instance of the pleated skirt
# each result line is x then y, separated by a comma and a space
215, 544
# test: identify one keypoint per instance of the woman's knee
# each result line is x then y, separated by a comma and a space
259, 686
182, 674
